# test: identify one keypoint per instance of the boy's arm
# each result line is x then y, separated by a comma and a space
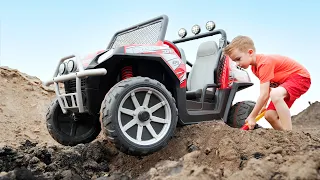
265, 103
262, 100
264, 106
266, 73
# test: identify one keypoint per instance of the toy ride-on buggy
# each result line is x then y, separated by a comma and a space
138, 89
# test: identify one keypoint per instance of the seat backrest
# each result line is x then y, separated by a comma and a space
202, 72
183, 55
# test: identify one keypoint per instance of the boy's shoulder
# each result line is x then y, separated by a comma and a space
283, 66
269, 58
276, 60
266, 62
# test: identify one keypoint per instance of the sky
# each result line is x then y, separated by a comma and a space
35, 34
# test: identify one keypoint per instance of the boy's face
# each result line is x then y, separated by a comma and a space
243, 59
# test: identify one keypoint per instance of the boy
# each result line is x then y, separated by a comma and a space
281, 78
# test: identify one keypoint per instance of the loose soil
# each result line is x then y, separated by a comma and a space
210, 150
23, 103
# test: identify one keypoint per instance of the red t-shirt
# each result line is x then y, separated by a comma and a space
277, 68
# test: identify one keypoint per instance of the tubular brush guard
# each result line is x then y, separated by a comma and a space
76, 98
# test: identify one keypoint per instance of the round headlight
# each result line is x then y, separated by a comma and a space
182, 33
196, 29
210, 25
71, 66
62, 68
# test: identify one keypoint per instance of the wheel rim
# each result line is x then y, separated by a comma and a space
72, 125
144, 116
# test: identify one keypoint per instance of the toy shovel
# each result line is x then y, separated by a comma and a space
246, 126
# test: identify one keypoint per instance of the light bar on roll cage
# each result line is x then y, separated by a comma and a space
76, 98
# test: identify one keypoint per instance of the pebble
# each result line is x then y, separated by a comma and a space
277, 150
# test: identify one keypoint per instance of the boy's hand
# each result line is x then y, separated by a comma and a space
251, 122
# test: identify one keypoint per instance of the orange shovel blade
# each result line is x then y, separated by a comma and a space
246, 127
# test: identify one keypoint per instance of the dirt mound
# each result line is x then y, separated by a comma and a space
203, 151
210, 150
274, 166
23, 103
222, 148
308, 118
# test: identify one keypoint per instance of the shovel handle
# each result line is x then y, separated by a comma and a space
246, 126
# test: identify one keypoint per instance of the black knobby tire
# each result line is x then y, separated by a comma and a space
239, 112
126, 140
60, 126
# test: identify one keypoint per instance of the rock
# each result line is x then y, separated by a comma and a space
91, 164
277, 150
3, 173
18, 173
115, 176
192, 148
69, 175
52, 167
34, 160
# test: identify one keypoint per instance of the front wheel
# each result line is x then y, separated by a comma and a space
239, 112
71, 129
139, 115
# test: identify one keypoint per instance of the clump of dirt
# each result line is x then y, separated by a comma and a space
53, 162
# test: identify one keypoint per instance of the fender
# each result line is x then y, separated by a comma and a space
164, 52
236, 86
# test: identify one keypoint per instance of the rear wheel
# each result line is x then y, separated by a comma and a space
71, 129
239, 112
139, 115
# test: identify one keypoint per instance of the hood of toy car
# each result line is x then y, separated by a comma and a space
86, 60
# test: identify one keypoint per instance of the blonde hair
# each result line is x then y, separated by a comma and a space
242, 43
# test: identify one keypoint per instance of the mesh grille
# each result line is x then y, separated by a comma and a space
70, 85
221, 65
147, 34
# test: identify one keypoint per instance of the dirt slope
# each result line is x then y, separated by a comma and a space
203, 151
23, 102
308, 119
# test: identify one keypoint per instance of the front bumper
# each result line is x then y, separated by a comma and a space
76, 97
